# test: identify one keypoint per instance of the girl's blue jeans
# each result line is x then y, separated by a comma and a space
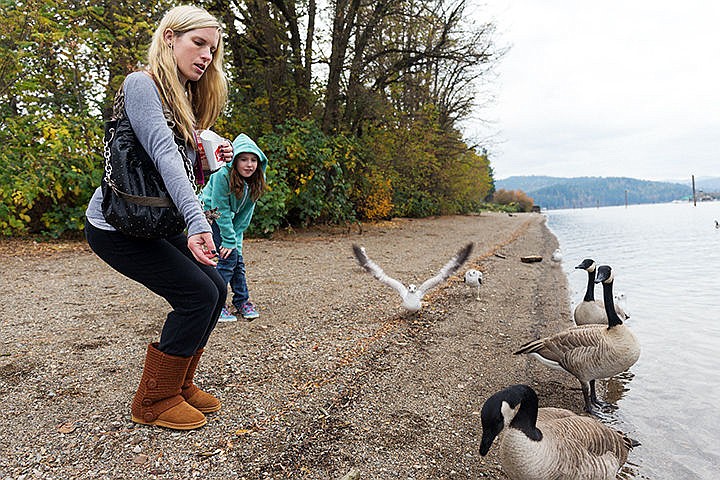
232, 270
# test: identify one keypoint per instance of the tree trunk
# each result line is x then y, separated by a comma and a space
343, 26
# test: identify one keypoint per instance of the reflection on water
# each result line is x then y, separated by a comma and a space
616, 387
666, 260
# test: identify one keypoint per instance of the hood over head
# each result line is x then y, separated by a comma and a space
242, 144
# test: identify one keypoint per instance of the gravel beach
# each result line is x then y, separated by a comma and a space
334, 380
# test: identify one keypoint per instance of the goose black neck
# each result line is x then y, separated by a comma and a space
526, 418
590, 292
613, 318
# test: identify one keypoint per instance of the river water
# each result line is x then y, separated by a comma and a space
666, 261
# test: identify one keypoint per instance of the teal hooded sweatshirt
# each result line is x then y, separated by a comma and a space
235, 212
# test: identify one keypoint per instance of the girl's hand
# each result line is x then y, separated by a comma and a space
202, 247
225, 252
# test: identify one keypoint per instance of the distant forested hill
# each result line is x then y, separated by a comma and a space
578, 192
707, 184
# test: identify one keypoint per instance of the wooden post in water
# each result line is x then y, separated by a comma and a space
626, 198
694, 198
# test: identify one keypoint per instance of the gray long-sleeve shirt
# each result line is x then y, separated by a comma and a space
144, 110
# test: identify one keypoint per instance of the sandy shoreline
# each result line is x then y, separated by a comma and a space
333, 376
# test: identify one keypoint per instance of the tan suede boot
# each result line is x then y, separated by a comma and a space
203, 401
158, 400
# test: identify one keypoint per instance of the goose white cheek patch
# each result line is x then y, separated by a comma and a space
508, 412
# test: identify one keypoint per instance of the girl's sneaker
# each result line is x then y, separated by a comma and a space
226, 316
248, 311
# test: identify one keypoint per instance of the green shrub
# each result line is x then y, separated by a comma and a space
52, 166
310, 176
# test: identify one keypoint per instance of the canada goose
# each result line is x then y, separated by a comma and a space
591, 311
412, 295
592, 351
549, 443
474, 278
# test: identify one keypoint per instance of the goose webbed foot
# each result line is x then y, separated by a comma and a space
604, 406
593, 405
601, 410
592, 410
599, 414
597, 410
589, 405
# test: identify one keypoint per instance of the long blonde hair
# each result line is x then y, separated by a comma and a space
205, 99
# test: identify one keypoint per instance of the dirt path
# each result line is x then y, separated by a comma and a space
333, 376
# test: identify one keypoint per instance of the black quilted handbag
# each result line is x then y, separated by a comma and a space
135, 200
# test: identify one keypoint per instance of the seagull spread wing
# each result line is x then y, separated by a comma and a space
377, 272
449, 268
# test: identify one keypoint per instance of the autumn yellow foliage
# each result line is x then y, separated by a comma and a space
519, 198
377, 202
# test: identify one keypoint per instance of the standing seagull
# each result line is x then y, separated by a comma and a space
411, 294
474, 278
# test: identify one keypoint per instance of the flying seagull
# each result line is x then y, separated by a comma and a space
474, 278
412, 295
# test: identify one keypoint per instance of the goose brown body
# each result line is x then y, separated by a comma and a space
572, 447
589, 313
589, 351
549, 443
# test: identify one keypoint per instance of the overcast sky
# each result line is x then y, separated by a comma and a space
614, 88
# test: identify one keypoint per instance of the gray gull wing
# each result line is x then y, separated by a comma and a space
376, 271
447, 270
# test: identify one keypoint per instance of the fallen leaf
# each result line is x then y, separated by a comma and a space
210, 454
67, 427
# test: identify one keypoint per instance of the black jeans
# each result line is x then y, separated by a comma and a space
196, 292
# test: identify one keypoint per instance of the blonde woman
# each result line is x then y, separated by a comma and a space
182, 89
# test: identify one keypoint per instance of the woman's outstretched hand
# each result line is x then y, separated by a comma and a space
203, 249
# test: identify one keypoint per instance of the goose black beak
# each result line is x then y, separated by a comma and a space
486, 443
603, 273
585, 264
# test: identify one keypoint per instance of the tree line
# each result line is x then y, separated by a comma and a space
357, 103
580, 192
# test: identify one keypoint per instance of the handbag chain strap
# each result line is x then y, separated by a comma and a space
118, 113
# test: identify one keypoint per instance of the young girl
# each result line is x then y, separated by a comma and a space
185, 75
233, 190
